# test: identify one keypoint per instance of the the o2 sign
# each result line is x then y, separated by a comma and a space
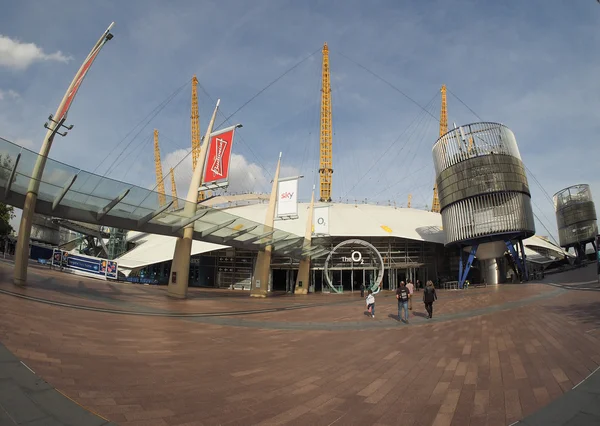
356, 258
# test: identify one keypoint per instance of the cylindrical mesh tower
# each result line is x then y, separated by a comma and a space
482, 185
575, 215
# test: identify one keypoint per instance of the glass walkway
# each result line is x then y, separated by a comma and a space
70, 193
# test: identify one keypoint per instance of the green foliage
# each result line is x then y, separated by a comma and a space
6, 214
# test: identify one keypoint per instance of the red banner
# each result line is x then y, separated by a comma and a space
218, 156
71, 95
64, 110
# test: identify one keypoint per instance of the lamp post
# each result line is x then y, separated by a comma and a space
55, 124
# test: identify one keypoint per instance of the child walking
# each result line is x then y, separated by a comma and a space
371, 303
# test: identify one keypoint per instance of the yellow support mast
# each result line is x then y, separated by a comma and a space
435, 205
174, 190
159, 175
325, 166
409, 200
195, 116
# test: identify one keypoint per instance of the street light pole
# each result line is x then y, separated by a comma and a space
55, 124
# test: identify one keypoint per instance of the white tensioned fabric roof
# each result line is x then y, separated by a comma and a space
346, 220
361, 220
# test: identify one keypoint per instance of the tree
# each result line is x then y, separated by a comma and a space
6, 214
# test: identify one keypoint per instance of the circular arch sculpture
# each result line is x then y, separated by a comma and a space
376, 287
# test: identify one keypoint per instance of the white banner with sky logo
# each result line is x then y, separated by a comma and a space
287, 198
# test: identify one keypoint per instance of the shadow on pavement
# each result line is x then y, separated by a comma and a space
588, 313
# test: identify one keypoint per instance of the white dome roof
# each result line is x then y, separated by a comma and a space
346, 220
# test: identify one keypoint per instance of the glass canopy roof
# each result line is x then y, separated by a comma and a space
71, 193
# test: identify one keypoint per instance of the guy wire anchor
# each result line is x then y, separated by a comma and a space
58, 124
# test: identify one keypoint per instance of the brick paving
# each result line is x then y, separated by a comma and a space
490, 357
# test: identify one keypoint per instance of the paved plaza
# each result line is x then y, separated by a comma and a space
131, 356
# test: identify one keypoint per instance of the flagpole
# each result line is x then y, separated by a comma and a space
55, 124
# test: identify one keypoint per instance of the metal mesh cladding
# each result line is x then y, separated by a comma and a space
575, 215
482, 183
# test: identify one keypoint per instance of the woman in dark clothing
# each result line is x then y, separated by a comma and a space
429, 296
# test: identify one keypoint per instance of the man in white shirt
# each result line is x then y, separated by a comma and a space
411, 289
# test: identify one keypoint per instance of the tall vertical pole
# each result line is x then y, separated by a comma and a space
160, 183
195, 124
325, 167
302, 280
174, 190
55, 124
262, 268
435, 204
180, 269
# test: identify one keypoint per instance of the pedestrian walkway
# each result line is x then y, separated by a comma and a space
578, 407
490, 357
26, 399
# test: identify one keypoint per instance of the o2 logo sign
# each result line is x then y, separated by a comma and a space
356, 258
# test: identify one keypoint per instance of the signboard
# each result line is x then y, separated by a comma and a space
321, 220
287, 198
111, 269
139, 280
218, 159
355, 255
85, 265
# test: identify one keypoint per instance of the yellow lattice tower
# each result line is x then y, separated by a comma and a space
159, 175
174, 190
325, 166
435, 204
195, 116
409, 200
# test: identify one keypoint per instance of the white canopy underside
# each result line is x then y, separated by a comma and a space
346, 220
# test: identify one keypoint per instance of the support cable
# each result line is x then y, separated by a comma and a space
388, 83
416, 131
145, 121
420, 137
467, 106
260, 92
419, 117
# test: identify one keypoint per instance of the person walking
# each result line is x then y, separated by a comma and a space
403, 295
362, 290
371, 303
411, 288
418, 285
429, 296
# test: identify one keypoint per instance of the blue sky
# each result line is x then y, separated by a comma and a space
531, 65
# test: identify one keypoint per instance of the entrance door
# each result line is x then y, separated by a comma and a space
279, 282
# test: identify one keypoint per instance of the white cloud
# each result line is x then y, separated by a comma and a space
9, 94
19, 56
244, 176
